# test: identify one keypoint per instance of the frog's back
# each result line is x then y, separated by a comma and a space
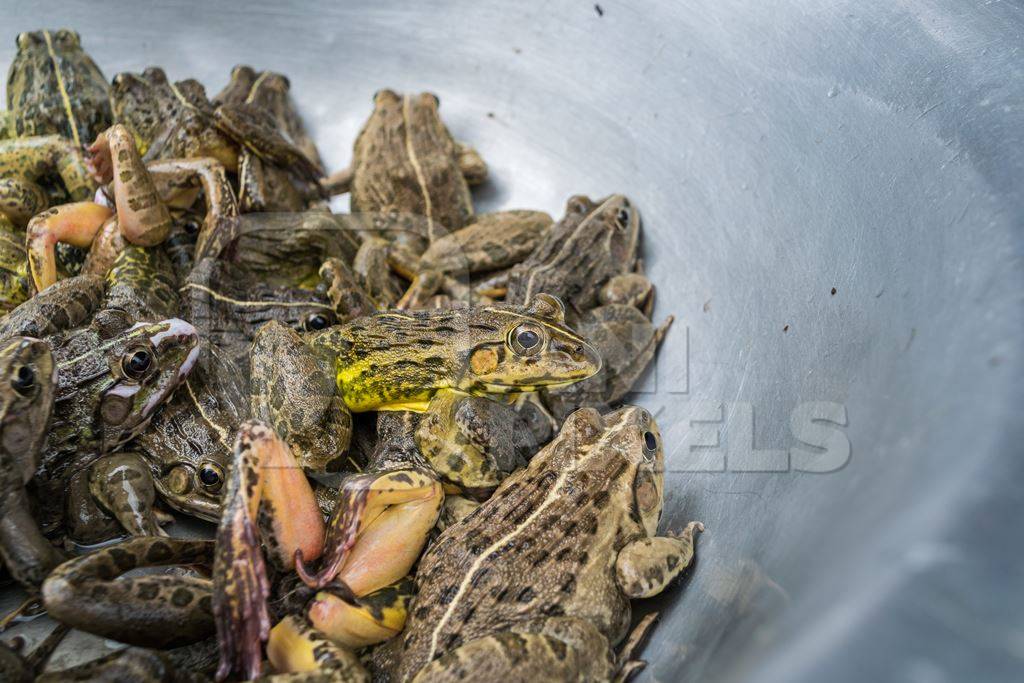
543, 545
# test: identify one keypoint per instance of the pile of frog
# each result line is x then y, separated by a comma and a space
405, 420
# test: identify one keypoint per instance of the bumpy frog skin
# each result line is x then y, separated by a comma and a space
54, 87
406, 162
593, 242
27, 379
548, 564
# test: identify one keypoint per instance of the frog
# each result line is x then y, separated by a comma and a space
272, 90
493, 241
473, 442
177, 121
15, 281
55, 88
594, 241
627, 342
27, 385
28, 167
405, 161
265, 186
547, 567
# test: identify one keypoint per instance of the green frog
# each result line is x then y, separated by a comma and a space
54, 88
405, 161
27, 383
537, 582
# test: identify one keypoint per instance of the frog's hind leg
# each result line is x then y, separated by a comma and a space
20, 200
150, 610
377, 529
123, 486
75, 224
358, 622
26, 553
268, 491
297, 647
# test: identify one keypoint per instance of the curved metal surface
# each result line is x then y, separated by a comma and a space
777, 151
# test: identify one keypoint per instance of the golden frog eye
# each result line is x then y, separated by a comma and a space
211, 477
68, 38
526, 339
137, 363
24, 381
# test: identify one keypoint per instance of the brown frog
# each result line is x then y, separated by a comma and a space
537, 582
406, 162
592, 243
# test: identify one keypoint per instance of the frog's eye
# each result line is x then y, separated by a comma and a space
24, 381
526, 339
26, 40
67, 37
437, 100
318, 321
650, 444
137, 362
622, 218
191, 227
211, 477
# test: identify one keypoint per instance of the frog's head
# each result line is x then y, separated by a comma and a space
134, 103
638, 440
419, 110
147, 363
529, 348
62, 40
615, 226
188, 444
27, 381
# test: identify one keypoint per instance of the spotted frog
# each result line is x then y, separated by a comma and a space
537, 582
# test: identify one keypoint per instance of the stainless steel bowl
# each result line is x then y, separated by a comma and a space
833, 211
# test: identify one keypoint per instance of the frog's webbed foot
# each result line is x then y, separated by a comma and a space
628, 664
165, 610
263, 471
141, 214
377, 529
645, 567
296, 646
358, 622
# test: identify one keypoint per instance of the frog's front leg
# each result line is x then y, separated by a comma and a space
472, 165
177, 177
26, 553
554, 648
645, 567
121, 485
161, 611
